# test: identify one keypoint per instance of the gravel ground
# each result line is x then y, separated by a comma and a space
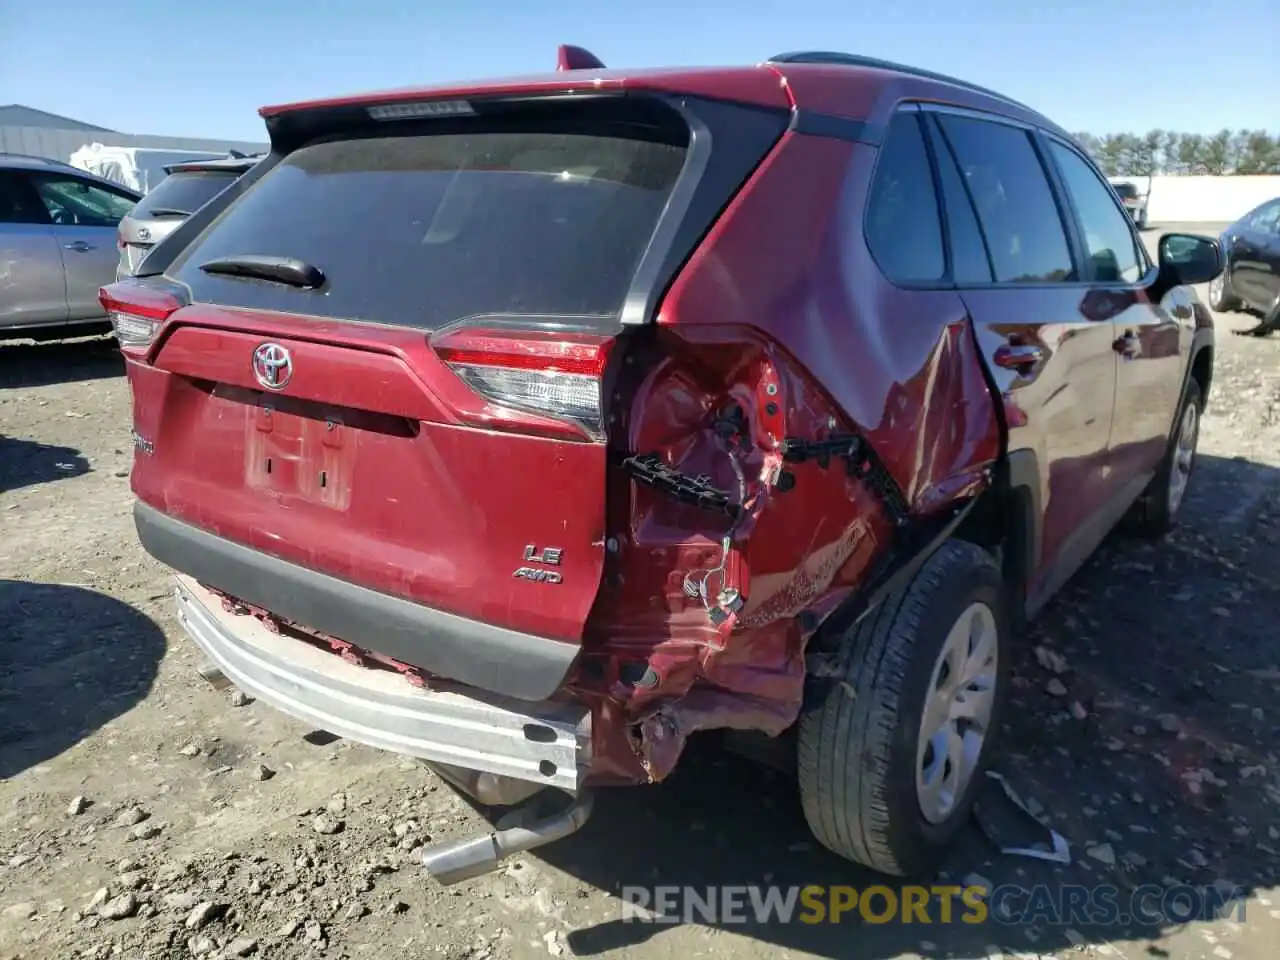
145, 815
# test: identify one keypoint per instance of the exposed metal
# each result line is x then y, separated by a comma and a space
545, 743
460, 860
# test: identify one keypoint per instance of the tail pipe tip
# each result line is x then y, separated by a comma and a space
459, 860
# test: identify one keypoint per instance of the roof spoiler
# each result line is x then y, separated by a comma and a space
569, 57
185, 165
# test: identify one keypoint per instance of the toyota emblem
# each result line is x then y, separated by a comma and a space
273, 366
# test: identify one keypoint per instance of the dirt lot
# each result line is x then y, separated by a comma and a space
144, 814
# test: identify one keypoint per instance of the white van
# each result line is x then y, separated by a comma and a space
139, 168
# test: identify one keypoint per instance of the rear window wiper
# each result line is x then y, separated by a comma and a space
286, 270
167, 212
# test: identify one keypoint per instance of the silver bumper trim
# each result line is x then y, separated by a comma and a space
545, 743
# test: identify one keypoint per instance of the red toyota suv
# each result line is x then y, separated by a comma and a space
528, 427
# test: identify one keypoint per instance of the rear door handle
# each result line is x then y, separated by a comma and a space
78, 245
1018, 356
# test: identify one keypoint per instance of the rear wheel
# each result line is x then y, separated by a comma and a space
1221, 299
1156, 511
892, 752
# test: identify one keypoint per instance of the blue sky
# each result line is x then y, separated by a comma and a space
203, 68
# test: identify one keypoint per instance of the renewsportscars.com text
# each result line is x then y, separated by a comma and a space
1008, 904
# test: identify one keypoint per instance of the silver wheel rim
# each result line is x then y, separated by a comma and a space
957, 712
1215, 288
1184, 455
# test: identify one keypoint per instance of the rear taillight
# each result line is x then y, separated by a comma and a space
136, 312
552, 374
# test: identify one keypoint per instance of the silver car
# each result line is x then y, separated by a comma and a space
188, 186
57, 246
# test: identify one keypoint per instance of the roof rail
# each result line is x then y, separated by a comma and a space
857, 60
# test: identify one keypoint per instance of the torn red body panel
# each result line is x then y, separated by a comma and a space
748, 332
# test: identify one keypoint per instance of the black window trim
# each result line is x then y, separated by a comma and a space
1066, 221
1147, 274
1067, 214
946, 281
938, 140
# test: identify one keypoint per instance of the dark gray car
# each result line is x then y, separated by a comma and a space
188, 186
57, 245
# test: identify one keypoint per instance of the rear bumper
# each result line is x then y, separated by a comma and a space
480, 655
545, 743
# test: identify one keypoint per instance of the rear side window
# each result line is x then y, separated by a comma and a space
1013, 200
182, 194
902, 228
1108, 239
421, 231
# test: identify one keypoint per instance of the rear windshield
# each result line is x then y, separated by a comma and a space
1127, 191
423, 230
187, 192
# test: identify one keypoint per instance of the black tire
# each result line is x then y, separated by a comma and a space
1268, 325
1221, 299
1155, 513
857, 743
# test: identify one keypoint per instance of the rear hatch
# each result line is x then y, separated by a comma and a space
161, 211
389, 358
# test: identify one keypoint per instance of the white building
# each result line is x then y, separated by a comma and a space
37, 133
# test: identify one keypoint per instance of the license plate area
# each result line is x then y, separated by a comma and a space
299, 455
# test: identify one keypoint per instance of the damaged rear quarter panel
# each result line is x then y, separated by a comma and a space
783, 315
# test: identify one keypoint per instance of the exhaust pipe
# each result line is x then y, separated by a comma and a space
488, 788
451, 863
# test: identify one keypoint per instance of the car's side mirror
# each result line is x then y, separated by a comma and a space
1187, 258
